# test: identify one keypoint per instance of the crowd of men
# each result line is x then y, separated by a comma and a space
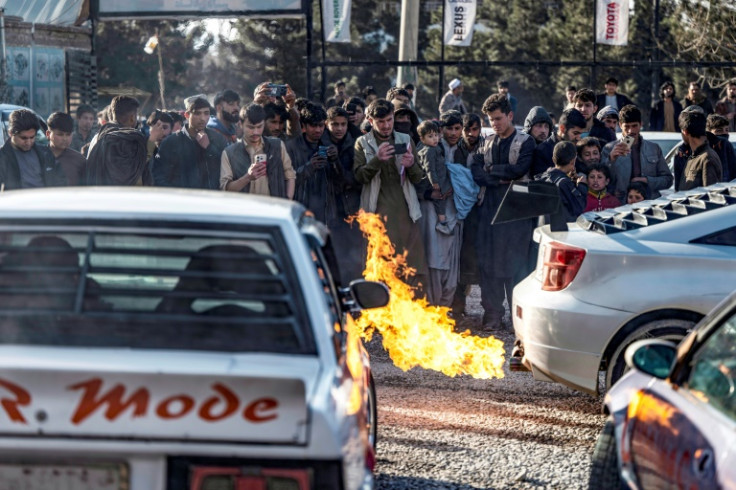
437, 183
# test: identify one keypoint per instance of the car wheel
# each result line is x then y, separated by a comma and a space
671, 329
604, 471
372, 413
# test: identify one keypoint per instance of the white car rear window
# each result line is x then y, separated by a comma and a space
152, 288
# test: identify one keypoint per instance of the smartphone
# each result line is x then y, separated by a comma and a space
400, 148
322, 151
277, 90
261, 157
629, 141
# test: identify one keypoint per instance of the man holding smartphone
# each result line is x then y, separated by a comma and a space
388, 184
257, 164
315, 164
633, 159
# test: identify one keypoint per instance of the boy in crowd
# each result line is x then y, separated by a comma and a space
59, 135
636, 192
573, 191
635, 159
599, 176
432, 159
23, 163
589, 153
85, 121
160, 123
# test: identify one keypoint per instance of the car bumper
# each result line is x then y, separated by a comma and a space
563, 338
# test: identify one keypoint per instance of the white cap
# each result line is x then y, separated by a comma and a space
455, 83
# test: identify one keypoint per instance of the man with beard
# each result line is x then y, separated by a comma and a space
727, 105
716, 128
388, 184
695, 96
453, 99
538, 124
84, 134
569, 128
666, 112
315, 165
225, 120
263, 94
257, 164
191, 156
470, 144
347, 195
503, 249
276, 117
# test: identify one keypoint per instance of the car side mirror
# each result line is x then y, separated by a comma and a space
652, 356
369, 294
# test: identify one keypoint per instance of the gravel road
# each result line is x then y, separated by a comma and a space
440, 432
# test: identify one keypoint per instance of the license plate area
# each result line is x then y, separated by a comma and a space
248, 478
52, 476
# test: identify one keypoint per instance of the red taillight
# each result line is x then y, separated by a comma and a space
370, 458
560, 265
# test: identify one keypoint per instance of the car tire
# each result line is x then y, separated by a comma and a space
372, 415
670, 329
604, 472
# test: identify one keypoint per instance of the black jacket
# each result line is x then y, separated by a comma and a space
573, 198
51, 172
621, 100
182, 162
118, 157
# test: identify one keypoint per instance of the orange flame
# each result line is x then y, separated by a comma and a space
415, 333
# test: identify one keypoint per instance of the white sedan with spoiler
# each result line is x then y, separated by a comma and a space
650, 270
164, 339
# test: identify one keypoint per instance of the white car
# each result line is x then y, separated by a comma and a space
167, 339
648, 270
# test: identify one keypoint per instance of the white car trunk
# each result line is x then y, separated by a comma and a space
154, 395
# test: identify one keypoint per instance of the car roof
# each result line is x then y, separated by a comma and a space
666, 135
147, 203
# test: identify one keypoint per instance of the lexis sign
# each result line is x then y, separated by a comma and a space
612, 25
459, 22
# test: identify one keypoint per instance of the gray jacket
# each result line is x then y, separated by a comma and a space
451, 101
653, 167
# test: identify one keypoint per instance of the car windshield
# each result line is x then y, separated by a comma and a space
151, 288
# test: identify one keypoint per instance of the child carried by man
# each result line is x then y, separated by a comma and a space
432, 159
